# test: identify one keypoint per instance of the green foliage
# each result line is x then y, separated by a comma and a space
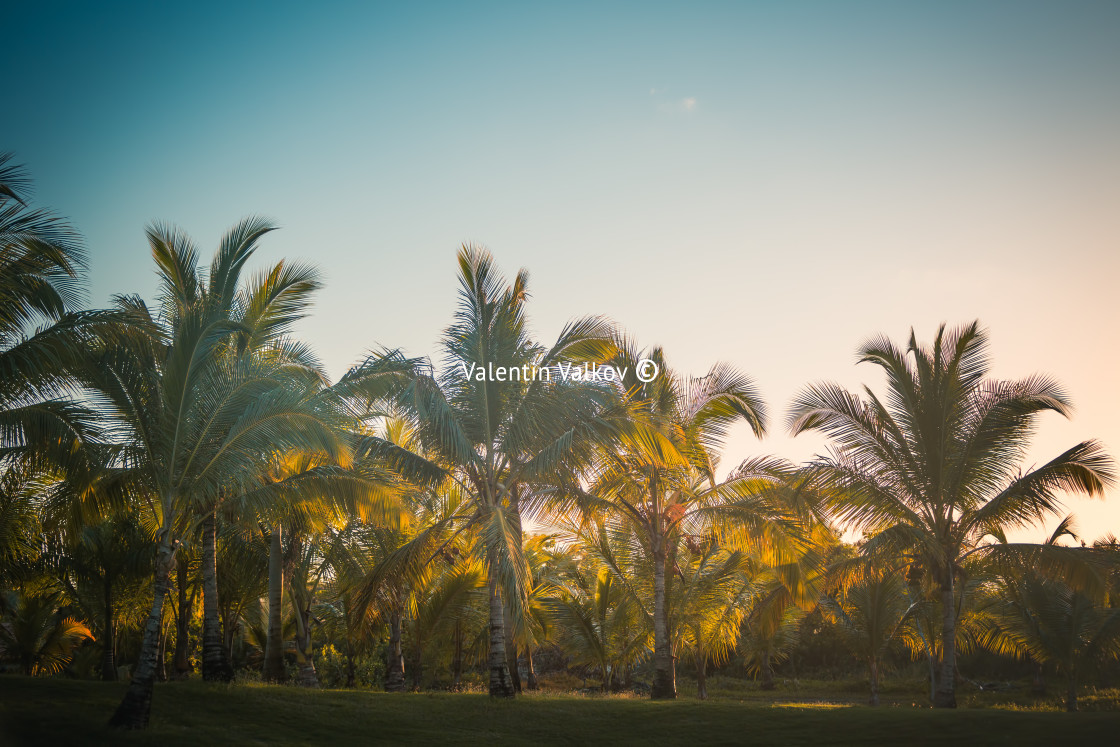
36, 631
334, 669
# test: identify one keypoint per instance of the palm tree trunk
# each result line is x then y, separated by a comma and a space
417, 666
511, 644
874, 663
531, 680
230, 624
305, 672
394, 673
136, 707
501, 686
664, 671
932, 676
274, 669
351, 680
457, 661
945, 696
181, 661
1071, 692
108, 659
215, 663
511, 660
1038, 684
701, 670
161, 658
767, 672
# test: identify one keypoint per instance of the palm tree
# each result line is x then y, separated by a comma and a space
873, 612
1048, 621
442, 596
716, 588
934, 468
194, 419
265, 308
186, 568
20, 527
242, 570
593, 614
35, 631
97, 564
660, 477
767, 640
403, 594
300, 495
41, 266
499, 440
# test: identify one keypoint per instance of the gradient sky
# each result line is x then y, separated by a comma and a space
763, 183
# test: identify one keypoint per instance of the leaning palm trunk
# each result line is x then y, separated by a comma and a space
134, 710
501, 685
274, 669
945, 695
664, 671
215, 663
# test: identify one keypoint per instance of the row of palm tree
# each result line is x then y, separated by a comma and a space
197, 444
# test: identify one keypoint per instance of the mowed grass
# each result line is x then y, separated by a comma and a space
57, 711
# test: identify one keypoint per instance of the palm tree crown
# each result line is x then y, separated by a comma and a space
933, 468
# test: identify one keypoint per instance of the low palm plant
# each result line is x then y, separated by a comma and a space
35, 631
1028, 615
873, 612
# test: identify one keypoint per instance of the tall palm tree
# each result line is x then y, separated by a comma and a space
660, 477
500, 440
934, 468
195, 420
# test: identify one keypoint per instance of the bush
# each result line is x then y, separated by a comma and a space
332, 667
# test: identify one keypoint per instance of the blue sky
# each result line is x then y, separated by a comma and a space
763, 183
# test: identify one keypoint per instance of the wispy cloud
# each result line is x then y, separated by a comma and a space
687, 104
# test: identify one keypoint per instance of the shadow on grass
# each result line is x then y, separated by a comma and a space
56, 711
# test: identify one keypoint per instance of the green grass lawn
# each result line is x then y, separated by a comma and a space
59, 711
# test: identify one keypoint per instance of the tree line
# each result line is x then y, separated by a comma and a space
182, 485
